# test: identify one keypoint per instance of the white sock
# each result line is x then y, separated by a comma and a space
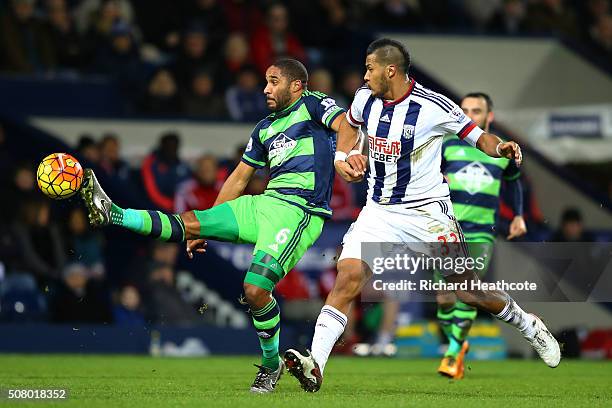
517, 317
329, 328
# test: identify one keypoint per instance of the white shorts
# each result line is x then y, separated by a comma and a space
432, 223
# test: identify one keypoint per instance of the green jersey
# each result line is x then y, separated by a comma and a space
298, 145
475, 180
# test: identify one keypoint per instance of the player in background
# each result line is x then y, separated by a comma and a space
474, 180
408, 200
297, 141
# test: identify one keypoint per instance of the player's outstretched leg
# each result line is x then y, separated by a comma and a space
308, 369
102, 211
502, 306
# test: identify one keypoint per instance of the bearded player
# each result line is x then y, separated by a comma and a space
474, 180
297, 142
408, 200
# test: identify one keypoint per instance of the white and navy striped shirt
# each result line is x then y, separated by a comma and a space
405, 142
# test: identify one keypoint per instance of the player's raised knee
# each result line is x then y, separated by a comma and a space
255, 295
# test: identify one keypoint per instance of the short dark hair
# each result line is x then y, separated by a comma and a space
482, 95
108, 137
390, 52
293, 69
571, 215
85, 141
169, 136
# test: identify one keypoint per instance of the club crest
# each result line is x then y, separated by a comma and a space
408, 131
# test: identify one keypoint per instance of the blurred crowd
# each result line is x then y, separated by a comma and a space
206, 58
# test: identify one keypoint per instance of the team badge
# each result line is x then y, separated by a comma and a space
408, 131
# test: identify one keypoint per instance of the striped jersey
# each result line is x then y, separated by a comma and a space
298, 145
405, 142
475, 181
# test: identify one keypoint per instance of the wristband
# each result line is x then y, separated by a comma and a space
354, 152
497, 149
340, 156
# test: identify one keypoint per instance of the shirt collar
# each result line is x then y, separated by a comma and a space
403, 97
276, 115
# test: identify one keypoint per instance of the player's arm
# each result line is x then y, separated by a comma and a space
518, 227
254, 158
512, 176
353, 135
350, 168
457, 122
325, 111
348, 136
349, 162
495, 147
236, 183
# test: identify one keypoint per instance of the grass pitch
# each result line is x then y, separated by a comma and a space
141, 381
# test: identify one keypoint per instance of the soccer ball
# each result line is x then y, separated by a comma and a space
59, 176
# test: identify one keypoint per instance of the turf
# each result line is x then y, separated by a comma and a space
140, 381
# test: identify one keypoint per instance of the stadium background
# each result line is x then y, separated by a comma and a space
160, 97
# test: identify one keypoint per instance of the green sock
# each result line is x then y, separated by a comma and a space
445, 319
463, 317
163, 227
267, 324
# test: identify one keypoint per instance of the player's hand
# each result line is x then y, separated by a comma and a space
517, 228
358, 162
196, 245
511, 150
347, 172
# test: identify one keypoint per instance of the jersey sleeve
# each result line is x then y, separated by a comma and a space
255, 153
511, 172
355, 112
458, 123
324, 109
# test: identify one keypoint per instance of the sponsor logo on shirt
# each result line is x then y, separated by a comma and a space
280, 147
474, 177
330, 107
328, 103
384, 150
